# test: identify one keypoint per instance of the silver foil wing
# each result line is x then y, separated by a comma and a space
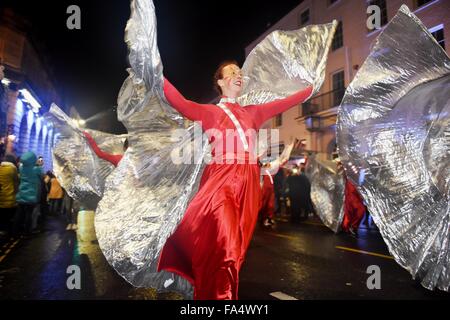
145, 199
147, 194
327, 191
393, 135
140, 106
81, 173
286, 62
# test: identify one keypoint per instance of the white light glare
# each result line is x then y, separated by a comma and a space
31, 100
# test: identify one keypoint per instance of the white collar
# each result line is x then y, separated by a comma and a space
227, 100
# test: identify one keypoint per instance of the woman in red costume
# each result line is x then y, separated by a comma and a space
354, 209
114, 159
209, 245
267, 206
268, 172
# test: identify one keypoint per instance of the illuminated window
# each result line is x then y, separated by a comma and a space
338, 40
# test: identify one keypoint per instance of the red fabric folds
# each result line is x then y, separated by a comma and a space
354, 208
267, 203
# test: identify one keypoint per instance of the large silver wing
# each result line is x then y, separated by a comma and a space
81, 173
394, 136
327, 191
286, 62
147, 195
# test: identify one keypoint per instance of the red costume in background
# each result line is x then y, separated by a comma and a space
209, 245
354, 208
114, 159
267, 207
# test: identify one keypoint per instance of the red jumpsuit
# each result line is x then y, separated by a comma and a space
267, 207
114, 159
209, 245
354, 208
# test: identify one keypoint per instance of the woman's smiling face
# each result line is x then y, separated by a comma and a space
231, 82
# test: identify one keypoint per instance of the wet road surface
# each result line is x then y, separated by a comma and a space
305, 261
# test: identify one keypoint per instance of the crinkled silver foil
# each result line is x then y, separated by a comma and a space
286, 62
327, 191
78, 169
147, 195
394, 136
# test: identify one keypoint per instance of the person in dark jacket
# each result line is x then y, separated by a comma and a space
299, 192
27, 198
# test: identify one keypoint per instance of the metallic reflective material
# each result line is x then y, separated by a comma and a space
286, 62
394, 137
80, 172
327, 191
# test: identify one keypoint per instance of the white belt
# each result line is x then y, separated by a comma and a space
236, 124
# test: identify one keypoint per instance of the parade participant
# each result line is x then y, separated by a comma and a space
209, 245
30, 176
8, 187
268, 172
299, 192
173, 225
78, 157
392, 134
114, 159
354, 209
55, 194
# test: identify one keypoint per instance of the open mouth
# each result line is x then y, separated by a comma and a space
238, 83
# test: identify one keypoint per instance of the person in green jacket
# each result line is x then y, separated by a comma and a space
27, 198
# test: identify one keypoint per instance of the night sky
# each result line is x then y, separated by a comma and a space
89, 65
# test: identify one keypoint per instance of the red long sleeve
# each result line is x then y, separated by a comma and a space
114, 159
192, 110
264, 112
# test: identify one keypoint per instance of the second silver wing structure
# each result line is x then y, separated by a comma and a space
327, 191
78, 169
286, 62
394, 138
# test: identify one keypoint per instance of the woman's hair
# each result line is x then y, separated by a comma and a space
219, 73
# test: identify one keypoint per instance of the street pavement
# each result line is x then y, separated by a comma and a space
305, 261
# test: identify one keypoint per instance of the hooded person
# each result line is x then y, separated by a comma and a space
8, 188
28, 196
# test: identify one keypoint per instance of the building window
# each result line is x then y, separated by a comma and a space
422, 2
279, 120
304, 17
305, 108
338, 40
383, 11
330, 2
338, 87
438, 33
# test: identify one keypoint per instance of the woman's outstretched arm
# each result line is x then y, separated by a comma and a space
192, 110
264, 112
111, 158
